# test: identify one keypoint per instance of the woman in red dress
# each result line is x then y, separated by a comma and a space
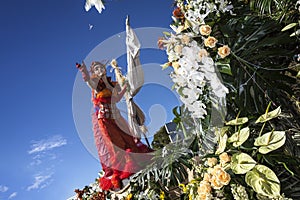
115, 144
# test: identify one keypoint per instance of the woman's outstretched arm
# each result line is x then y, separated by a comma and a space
86, 76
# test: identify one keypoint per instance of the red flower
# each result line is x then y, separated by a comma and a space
178, 14
105, 183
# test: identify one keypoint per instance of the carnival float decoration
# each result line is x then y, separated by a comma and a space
236, 75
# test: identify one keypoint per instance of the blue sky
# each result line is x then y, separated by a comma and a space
43, 154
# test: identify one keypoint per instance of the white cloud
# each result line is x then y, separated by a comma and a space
40, 181
44, 160
3, 188
12, 195
47, 144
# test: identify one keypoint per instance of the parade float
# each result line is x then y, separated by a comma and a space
236, 71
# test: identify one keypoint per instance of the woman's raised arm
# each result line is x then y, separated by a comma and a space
86, 76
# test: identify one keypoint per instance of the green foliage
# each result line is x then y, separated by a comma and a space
283, 11
161, 139
260, 60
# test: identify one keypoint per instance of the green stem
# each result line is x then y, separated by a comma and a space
267, 110
262, 128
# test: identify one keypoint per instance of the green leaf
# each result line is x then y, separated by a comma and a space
239, 137
263, 181
241, 163
269, 115
167, 33
224, 68
289, 26
238, 121
270, 141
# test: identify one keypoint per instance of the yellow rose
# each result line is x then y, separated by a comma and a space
202, 53
210, 42
178, 49
223, 51
224, 158
185, 39
204, 187
205, 30
211, 162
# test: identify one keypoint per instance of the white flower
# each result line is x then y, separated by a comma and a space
97, 3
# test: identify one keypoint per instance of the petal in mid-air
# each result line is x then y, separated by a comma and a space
97, 3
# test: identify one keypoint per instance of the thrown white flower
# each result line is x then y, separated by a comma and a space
97, 3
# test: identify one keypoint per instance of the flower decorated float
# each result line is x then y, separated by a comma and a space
235, 73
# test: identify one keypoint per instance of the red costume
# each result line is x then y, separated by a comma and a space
117, 148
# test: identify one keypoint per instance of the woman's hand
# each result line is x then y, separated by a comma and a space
84, 71
80, 66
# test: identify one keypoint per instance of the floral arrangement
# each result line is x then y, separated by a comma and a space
247, 157
195, 77
238, 169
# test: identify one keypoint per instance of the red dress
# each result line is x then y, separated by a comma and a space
114, 134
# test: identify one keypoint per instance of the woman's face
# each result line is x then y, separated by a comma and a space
99, 70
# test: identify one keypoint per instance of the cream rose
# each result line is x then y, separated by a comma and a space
204, 197
224, 158
205, 30
223, 51
215, 183
204, 187
211, 162
185, 39
206, 177
223, 177
210, 42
